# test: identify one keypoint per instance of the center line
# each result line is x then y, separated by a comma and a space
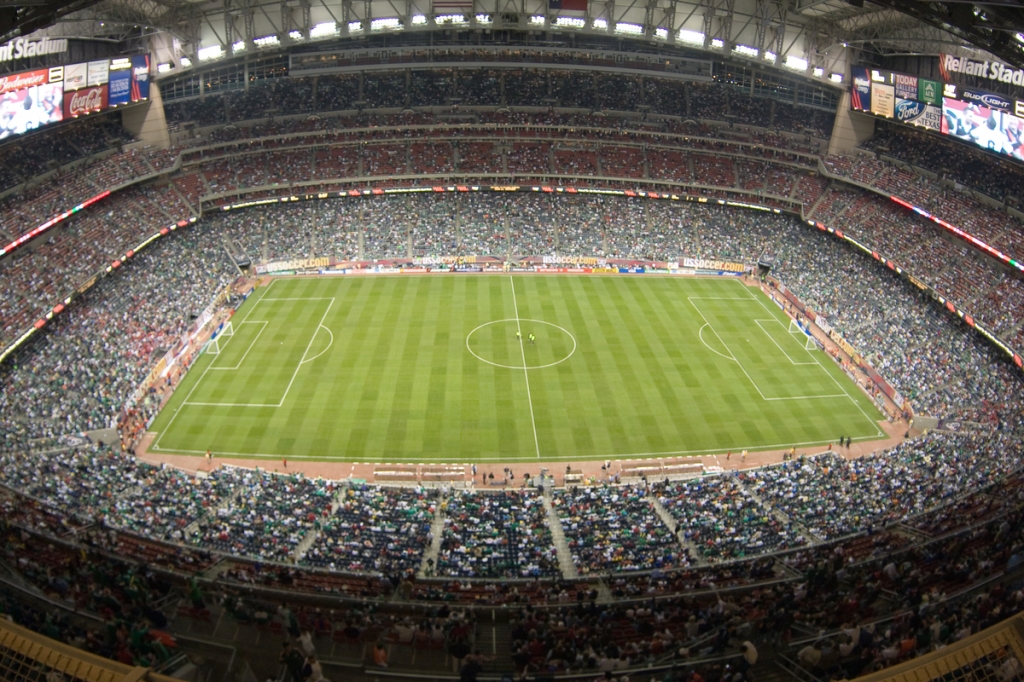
526, 370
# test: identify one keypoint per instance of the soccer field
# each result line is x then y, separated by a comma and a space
429, 368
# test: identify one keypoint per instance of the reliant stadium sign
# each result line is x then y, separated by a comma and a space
995, 71
21, 48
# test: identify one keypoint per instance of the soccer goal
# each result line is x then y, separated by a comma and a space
808, 339
222, 337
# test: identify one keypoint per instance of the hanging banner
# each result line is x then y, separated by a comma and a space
120, 87
98, 72
75, 76
87, 101
906, 86
140, 77
860, 97
883, 100
929, 92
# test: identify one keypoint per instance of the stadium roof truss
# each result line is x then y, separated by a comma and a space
824, 36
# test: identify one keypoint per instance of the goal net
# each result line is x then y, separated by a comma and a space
221, 338
802, 334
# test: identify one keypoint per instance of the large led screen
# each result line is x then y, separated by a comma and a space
25, 110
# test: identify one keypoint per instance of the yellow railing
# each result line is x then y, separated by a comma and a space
27, 655
986, 656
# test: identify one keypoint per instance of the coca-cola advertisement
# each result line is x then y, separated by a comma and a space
85, 101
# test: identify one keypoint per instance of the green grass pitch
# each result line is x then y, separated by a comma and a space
428, 368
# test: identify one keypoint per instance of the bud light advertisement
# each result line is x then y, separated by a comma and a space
140, 78
120, 87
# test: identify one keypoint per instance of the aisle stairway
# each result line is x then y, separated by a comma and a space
565, 562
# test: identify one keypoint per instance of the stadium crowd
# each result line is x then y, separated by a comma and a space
502, 534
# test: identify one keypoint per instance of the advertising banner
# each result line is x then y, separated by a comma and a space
26, 79
86, 101
883, 100
906, 86
929, 92
30, 108
860, 96
919, 114
98, 73
140, 77
120, 88
75, 76
710, 264
987, 100
294, 264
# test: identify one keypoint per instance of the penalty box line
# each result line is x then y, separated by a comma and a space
744, 369
291, 381
760, 299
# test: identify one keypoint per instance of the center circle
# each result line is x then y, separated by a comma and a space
515, 325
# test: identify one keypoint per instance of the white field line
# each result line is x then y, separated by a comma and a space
777, 344
308, 345
751, 379
251, 344
830, 376
177, 410
526, 370
245, 321
700, 335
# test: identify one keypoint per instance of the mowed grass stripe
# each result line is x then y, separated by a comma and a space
399, 384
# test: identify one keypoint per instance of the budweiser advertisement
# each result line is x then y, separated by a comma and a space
85, 101
26, 79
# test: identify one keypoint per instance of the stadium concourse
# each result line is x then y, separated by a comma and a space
840, 562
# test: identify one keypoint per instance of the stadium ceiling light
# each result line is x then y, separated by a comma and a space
390, 24
355, 27
324, 30
164, 67
745, 51
418, 20
205, 54
537, 20
818, 72
450, 19
185, 62
570, 22
836, 77
661, 33
601, 24
717, 43
795, 63
690, 37
629, 29
267, 41
237, 47
770, 56
295, 35
1019, 37
483, 19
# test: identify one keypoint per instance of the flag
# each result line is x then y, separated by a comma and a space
573, 5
